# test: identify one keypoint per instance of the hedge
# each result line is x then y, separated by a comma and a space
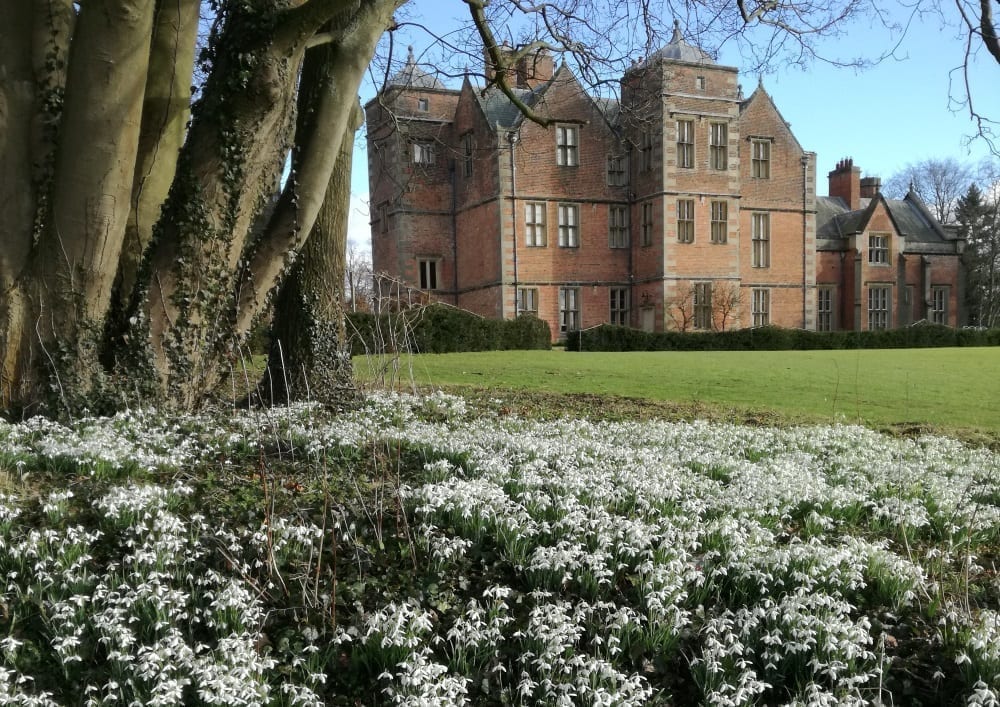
440, 328
773, 338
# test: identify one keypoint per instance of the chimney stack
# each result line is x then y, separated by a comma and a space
527, 72
870, 186
845, 182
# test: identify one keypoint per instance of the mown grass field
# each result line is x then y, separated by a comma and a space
949, 390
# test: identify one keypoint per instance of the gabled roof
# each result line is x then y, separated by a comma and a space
501, 112
761, 94
909, 215
412, 76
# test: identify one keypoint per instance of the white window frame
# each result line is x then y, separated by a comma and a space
826, 319
423, 105
761, 306
878, 248
760, 240
701, 306
939, 305
879, 307
619, 305
535, 235
617, 171
568, 145
718, 146
569, 225
618, 227
760, 159
685, 220
428, 275
569, 309
685, 143
720, 221
423, 152
527, 300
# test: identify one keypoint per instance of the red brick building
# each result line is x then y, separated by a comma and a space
682, 206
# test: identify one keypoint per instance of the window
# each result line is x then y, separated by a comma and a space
569, 309
423, 105
647, 223
761, 307
685, 220
646, 151
569, 225
685, 143
467, 149
428, 273
878, 307
618, 227
760, 159
761, 239
720, 222
719, 146
423, 153
703, 305
534, 224
824, 309
619, 306
617, 175
527, 300
939, 305
567, 145
699, 83
878, 248
383, 217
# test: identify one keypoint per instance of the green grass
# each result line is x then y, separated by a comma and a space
956, 389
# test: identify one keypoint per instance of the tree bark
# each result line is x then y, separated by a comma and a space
209, 279
165, 112
309, 357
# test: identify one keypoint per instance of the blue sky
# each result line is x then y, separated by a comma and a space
884, 117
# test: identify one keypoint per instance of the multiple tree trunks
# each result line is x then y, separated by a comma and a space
133, 254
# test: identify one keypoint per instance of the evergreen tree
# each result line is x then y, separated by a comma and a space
979, 224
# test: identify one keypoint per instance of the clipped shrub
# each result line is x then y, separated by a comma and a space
441, 328
774, 338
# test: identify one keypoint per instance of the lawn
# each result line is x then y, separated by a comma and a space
955, 389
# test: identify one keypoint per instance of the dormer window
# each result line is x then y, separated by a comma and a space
423, 105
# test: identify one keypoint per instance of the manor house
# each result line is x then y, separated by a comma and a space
683, 205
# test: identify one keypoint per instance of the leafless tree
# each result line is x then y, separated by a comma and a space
938, 182
726, 301
359, 279
680, 309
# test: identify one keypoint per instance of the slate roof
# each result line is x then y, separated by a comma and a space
912, 219
412, 76
500, 110
679, 50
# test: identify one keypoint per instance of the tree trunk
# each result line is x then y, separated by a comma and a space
165, 113
309, 357
209, 279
